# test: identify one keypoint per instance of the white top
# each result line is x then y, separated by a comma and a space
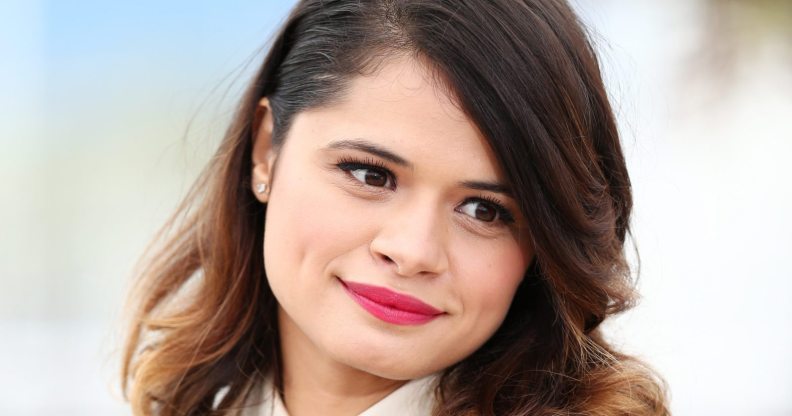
414, 398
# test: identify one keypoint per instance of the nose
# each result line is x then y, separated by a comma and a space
412, 239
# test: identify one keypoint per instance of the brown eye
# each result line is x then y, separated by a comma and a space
371, 176
486, 213
480, 210
375, 178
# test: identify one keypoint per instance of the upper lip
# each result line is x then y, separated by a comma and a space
391, 299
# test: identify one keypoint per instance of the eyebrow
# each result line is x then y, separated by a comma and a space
488, 186
371, 148
377, 150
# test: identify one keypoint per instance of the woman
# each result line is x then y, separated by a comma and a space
420, 208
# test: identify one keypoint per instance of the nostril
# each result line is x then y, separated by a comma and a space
388, 259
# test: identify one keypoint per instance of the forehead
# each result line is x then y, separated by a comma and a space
403, 107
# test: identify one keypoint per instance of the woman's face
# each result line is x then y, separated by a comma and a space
391, 244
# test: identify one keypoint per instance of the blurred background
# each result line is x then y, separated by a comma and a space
108, 110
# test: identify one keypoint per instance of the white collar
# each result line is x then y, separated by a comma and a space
414, 398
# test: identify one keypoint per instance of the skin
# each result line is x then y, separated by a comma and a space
420, 235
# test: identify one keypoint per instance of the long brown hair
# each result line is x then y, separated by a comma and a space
204, 333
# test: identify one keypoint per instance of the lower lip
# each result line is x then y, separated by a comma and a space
389, 314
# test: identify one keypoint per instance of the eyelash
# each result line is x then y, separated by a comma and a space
504, 214
348, 164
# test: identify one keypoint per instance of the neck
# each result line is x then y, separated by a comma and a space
314, 383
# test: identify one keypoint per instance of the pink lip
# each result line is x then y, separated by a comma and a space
390, 306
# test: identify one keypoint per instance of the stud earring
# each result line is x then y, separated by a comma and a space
261, 188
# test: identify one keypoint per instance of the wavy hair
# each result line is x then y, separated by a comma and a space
204, 331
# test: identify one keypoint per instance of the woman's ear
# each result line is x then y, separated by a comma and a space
263, 153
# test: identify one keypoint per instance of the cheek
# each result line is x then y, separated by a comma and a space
309, 222
491, 277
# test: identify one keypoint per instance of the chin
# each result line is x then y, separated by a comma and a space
398, 371
387, 362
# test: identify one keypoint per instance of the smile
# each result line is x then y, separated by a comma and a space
389, 306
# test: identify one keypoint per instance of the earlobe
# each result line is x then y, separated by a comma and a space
260, 182
263, 155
